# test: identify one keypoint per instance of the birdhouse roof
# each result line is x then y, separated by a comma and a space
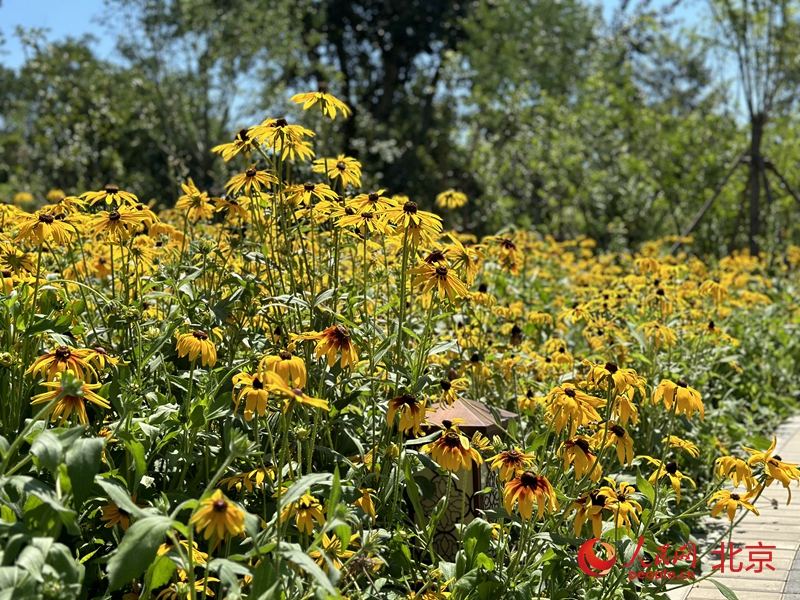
476, 416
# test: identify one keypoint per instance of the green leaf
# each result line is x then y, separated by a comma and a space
119, 494
305, 562
137, 452
137, 550
302, 485
413, 492
83, 462
724, 590
158, 574
646, 488
228, 570
336, 490
47, 448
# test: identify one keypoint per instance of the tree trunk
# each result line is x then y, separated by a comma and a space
757, 123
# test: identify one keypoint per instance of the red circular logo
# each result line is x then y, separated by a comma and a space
593, 565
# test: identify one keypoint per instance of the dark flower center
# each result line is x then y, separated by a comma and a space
617, 430
447, 423
570, 392
483, 288
280, 122
257, 385
660, 292
434, 257
6, 273
220, 505
711, 325
285, 355
373, 197
367, 215
612, 367
46, 218
507, 244
441, 271
475, 358
341, 166
583, 445
242, 135
63, 353
349, 211
512, 456
200, 334
446, 385
530, 480
597, 498
682, 383
671, 468
529, 394
297, 391
112, 189
308, 186
452, 439
251, 172
342, 332
408, 399
735, 497
776, 457
410, 207
114, 216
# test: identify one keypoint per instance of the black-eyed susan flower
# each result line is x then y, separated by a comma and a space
737, 469
251, 180
332, 549
527, 489
451, 199
625, 409
61, 359
671, 472
332, 342
196, 203
342, 167
366, 503
70, 394
469, 258
774, 467
619, 500
42, 227
243, 142
113, 515
511, 462
661, 335
730, 501
307, 192
676, 442
688, 399
452, 450
442, 278
290, 367
251, 480
306, 510
119, 225
589, 507
618, 437
218, 516
180, 590
408, 214
411, 410
570, 406
450, 389
600, 375
110, 194
198, 557
578, 451
14, 259
372, 202
327, 102
291, 395
366, 222
197, 343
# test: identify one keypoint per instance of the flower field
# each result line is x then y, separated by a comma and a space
250, 396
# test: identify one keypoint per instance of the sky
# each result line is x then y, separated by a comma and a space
77, 17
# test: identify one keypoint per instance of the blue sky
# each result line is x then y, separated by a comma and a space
76, 17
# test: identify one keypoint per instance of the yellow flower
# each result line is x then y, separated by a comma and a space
408, 214
660, 334
328, 103
676, 442
527, 489
243, 142
291, 368
251, 180
197, 203
510, 462
412, 412
688, 399
61, 359
113, 514
110, 194
306, 192
589, 507
196, 344
119, 224
441, 277
306, 509
69, 394
450, 389
774, 467
253, 391
366, 503
619, 437
452, 450
218, 516
670, 471
330, 342
737, 469
366, 222
618, 500
41, 227
451, 199
250, 480
567, 405
342, 167
601, 375
276, 385
332, 549
730, 501
578, 452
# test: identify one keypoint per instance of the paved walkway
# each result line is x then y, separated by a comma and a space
778, 525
